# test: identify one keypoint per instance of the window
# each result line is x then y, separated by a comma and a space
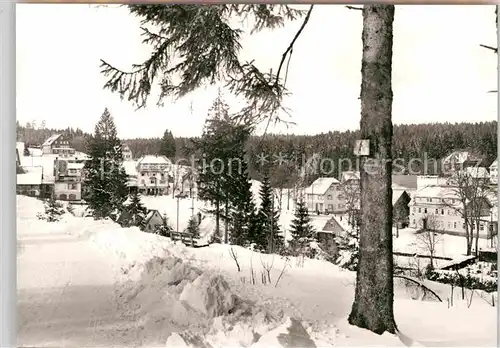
430, 199
330, 207
414, 209
455, 225
437, 211
425, 210
481, 227
442, 211
152, 181
142, 173
340, 206
72, 186
329, 197
449, 225
414, 222
419, 210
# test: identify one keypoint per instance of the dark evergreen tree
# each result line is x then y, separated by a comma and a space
213, 167
26, 151
268, 236
243, 220
193, 227
135, 211
105, 177
168, 147
301, 228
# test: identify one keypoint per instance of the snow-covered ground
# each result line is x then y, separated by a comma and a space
88, 283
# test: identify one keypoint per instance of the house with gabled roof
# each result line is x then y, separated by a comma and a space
58, 144
441, 205
153, 221
324, 195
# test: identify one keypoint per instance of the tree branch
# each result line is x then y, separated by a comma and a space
354, 8
290, 47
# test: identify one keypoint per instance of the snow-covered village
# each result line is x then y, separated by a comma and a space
204, 222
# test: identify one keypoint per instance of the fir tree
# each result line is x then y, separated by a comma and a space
136, 211
53, 210
167, 146
212, 172
268, 236
301, 228
105, 176
193, 227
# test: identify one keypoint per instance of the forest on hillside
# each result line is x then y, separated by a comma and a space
415, 141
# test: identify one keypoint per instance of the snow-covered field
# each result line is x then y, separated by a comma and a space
91, 283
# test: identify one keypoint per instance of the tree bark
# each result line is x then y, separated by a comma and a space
374, 299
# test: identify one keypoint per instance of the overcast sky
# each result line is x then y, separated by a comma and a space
440, 73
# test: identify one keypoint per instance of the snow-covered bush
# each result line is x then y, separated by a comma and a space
53, 211
348, 251
464, 278
193, 227
70, 209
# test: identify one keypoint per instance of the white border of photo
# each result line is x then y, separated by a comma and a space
8, 242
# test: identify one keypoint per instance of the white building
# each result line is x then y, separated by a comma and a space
325, 195
127, 153
152, 173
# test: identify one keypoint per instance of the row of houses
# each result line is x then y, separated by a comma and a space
420, 202
57, 169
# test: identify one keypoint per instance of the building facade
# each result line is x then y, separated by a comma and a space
68, 179
438, 208
324, 195
58, 144
127, 153
153, 175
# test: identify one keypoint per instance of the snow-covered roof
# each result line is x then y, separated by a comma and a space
437, 192
395, 195
349, 175
130, 167
320, 186
35, 151
152, 159
75, 165
30, 178
50, 140
80, 155
494, 164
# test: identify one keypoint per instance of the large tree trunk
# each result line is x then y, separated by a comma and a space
373, 303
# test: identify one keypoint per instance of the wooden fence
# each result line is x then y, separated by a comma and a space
185, 237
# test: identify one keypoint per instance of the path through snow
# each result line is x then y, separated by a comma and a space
67, 294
